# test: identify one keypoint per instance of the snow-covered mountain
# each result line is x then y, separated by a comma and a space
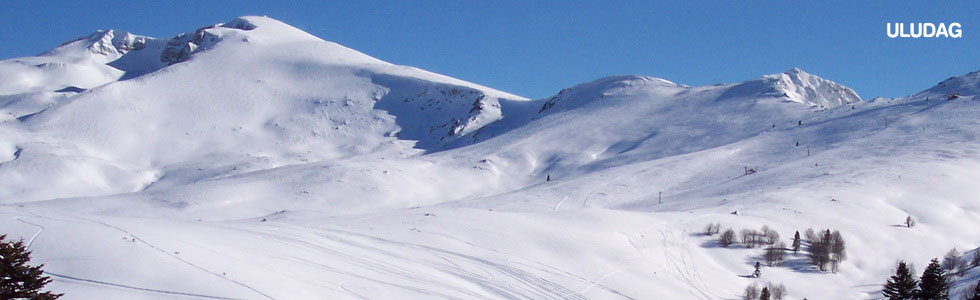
251, 160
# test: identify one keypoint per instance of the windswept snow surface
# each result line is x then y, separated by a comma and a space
250, 160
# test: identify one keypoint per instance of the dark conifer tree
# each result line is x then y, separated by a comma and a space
18, 280
765, 294
933, 284
796, 242
900, 286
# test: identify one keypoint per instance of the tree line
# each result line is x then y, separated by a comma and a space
934, 284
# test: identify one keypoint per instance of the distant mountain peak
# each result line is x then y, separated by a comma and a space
102, 42
115, 42
799, 86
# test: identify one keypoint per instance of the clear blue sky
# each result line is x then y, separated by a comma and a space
535, 48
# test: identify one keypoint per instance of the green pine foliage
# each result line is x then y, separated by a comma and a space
933, 284
900, 286
18, 279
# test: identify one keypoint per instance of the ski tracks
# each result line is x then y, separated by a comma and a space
678, 255
137, 288
168, 253
40, 229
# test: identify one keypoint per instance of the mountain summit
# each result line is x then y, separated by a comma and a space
798, 86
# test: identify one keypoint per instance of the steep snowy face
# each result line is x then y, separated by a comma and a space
797, 86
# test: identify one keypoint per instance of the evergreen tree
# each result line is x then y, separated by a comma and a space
18, 280
796, 242
765, 294
901, 286
933, 284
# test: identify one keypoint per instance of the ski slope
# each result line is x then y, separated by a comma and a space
251, 160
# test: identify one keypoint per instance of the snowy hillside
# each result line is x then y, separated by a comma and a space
251, 160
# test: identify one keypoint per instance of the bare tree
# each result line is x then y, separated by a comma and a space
838, 250
961, 267
777, 291
749, 237
976, 258
809, 235
951, 260
771, 236
775, 254
751, 292
709, 229
727, 238
712, 228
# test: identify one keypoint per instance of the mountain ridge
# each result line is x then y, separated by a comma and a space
288, 167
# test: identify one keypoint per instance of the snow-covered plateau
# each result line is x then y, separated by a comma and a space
251, 160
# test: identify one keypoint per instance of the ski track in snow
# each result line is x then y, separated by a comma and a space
678, 255
137, 288
352, 293
560, 202
168, 253
531, 286
34, 237
99, 282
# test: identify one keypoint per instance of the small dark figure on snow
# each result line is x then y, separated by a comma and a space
757, 273
549, 178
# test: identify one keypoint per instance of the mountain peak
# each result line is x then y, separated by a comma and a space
252, 29
799, 86
101, 42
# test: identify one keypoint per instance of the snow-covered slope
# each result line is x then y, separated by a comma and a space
252, 94
251, 160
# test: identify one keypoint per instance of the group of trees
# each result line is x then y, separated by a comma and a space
934, 283
18, 279
826, 248
769, 292
953, 261
751, 238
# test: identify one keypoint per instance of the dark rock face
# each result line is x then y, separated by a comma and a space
182, 46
